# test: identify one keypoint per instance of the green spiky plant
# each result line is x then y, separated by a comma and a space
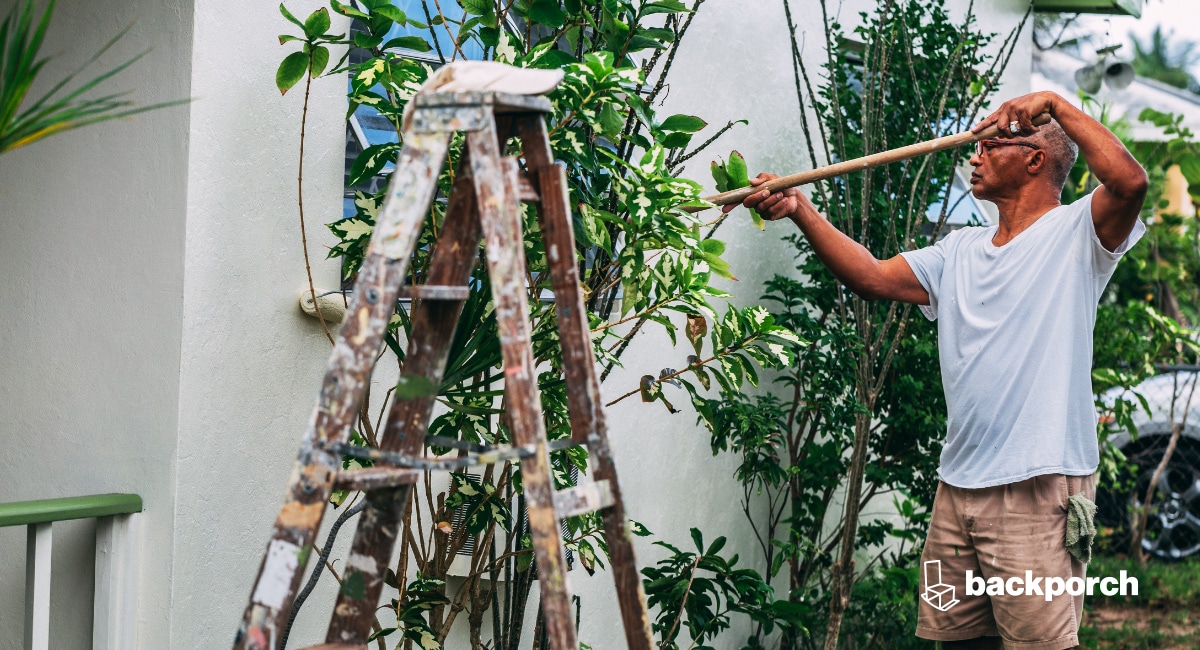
58, 110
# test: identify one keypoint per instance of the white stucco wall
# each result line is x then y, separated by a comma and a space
251, 362
91, 297
148, 304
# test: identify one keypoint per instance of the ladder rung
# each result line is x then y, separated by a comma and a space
474, 447
582, 499
502, 102
435, 292
397, 459
526, 191
371, 478
478, 454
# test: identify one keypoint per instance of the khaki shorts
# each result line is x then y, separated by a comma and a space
1014, 531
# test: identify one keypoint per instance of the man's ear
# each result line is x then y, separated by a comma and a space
1037, 162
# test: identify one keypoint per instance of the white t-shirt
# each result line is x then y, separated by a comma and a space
1015, 338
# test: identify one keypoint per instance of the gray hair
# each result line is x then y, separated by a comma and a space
1061, 151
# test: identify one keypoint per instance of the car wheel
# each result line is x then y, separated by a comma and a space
1173, 525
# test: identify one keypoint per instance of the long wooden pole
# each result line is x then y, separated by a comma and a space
859, 164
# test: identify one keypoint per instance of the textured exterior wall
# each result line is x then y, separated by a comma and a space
251, 361
91, 298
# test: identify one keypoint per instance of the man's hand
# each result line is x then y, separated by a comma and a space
773, 206
1021, 110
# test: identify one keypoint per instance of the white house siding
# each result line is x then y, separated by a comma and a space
91, 307
1054, 70
167, 357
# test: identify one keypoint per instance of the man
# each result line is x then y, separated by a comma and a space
1015, 305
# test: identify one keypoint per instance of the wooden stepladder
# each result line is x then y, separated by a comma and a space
485, 203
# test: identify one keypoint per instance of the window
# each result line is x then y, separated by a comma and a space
366, 126
965, 209
462, 567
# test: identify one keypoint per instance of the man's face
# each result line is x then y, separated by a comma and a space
1001, 167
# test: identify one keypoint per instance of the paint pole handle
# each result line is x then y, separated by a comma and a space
860, 164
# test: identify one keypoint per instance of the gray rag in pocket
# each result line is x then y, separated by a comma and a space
1081, 527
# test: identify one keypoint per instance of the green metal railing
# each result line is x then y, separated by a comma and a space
23, 513
116, 545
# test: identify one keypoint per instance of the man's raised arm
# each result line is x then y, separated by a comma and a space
850, 262
1117, 203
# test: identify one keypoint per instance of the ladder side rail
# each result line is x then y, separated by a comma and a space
347, 375
585, 404
586, 407
584, 401
408, 419
496, 191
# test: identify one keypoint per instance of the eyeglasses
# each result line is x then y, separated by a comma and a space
984, 146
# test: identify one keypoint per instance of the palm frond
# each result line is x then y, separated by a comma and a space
1165, 58
56, 110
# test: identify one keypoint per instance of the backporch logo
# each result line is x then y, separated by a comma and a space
942, 596
937, 593
1124, 585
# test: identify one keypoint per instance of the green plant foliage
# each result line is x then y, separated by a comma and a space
314, 55
1163, 269
698, 591
22, 123
883, 610
734, 175
420, 597
1159, 59
480, 503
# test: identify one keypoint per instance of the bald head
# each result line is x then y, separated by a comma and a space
1061, 151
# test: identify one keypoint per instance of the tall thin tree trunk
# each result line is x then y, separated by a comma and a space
843, 568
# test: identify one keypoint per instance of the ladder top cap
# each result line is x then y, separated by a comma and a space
505, 88
490, 77
500, 102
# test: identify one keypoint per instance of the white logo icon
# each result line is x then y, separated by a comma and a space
938, 594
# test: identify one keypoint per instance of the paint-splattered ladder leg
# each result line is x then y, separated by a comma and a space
433, 328
500, 213
583, 387
348, 372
